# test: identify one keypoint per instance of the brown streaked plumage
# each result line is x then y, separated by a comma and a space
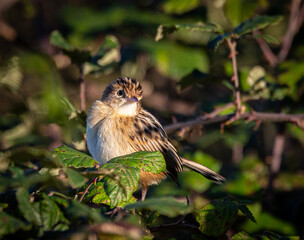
118, 125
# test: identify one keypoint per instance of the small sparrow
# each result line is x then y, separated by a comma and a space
117, 125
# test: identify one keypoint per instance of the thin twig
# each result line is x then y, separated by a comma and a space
87, 188
237, 94
253, 116
292, 29
268, 54
82, 89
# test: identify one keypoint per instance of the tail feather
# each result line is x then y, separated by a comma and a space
206, 172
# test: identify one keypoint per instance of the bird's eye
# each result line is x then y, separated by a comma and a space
119, 93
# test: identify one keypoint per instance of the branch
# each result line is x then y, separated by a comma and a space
237, 94
253, 116
293, 27
268, 54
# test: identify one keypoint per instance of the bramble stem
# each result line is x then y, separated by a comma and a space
237, 94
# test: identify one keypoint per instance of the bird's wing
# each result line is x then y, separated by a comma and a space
147, 134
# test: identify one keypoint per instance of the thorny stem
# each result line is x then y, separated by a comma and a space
87, 188
82, 89
253, 116
237, 94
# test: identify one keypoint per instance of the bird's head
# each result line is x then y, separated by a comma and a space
123, 95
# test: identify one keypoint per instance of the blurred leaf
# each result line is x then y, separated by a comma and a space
292, 73
167, 206
244, 209
77, 210
269, 222
194, 181
256, 23
11, 75
198, 79
108, 52
269, 39
239, 10
216, 40
92, 21
51, 216
216, 217
166, 29
77, 56
174, 60
147, 161
30, 213
10, 224
75, 178
59, 41
73, 158
242, 236
179, 6
122, 185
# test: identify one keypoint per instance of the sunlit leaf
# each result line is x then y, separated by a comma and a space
167, 206
148, 161
166, 29
123, 184
73, 158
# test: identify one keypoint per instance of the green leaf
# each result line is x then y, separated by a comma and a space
217, 217
167, 206
244, 209
147, 161
269, 39
174, 60
58, 40
77, 56
256, 23
242, 236
122, 184
179, 6
51, 216
166, 29
73, 158
194, 181
109, 44
75, 178
239, 10
10, 224
98, 195
216, 40
77, 210
30, 213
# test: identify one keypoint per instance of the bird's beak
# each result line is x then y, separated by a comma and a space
132, 99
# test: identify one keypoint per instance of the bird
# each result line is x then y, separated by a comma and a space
118, 125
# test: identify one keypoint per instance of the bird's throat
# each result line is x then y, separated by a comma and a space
127, 109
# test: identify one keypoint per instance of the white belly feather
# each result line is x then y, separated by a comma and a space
105, 141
